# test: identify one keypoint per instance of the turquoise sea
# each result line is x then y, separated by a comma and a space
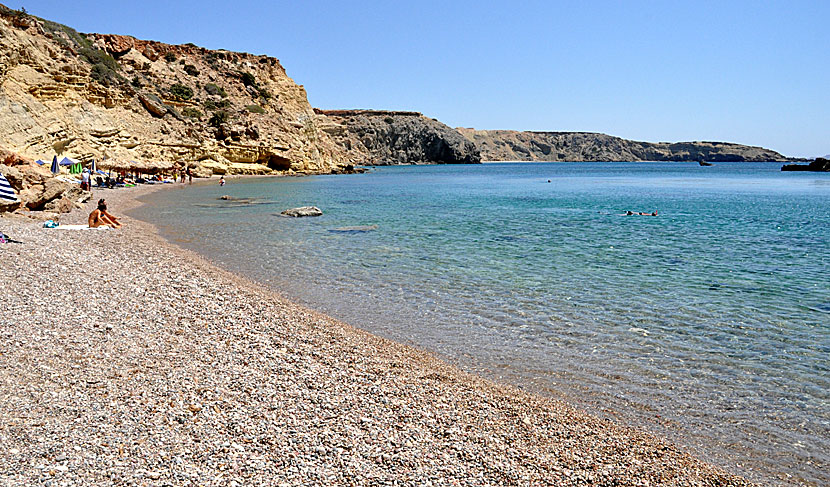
708, 324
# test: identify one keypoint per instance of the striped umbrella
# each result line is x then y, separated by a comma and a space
55, 168
93, 168
6, 191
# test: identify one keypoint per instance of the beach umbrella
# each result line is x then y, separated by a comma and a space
55, 168
6, 191
40, 162
66, 162
93, 168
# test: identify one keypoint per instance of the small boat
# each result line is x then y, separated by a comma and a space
703, 163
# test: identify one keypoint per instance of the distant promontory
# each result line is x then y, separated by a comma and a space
509, 145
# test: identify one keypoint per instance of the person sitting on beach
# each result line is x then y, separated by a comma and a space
100, 216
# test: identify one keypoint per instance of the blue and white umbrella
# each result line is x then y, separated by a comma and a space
55, 167
93, 168
6, 191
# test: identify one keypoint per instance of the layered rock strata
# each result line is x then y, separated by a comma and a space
108, 96
396, 137
509, 145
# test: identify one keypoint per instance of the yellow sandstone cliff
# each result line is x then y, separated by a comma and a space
115, 97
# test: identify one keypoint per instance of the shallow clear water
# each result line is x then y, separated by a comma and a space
709, 323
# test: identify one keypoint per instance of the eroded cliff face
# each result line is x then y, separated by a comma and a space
393, 137
108, 96
508, 145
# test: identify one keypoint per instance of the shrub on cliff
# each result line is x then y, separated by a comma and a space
255, 109
213, 89
219, 118
212, 105
104, 75
97, 56
192, 112
66, 36
248, 79
170, 57
191, 70
181, 91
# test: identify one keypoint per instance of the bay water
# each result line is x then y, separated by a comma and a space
708, 324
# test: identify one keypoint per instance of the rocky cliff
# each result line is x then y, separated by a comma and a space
508, 145
394, 137
108, 96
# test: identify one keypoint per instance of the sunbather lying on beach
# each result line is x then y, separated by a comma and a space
100, 216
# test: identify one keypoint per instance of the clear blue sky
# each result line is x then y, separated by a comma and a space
752, 72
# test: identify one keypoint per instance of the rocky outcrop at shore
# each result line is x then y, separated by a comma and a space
110, 96
38, 189
395, 137
819, 165
509, 145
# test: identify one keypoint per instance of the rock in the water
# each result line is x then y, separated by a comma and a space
355, 229
302, 211
819, 165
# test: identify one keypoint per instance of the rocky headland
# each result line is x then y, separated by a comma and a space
510, 145
398, 137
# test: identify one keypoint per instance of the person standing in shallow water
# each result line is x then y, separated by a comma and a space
189, 176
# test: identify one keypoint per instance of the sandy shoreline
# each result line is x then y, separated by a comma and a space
126, 360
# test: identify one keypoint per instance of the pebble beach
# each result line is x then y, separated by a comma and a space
125, 360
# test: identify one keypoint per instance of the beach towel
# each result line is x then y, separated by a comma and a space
6, 191
80, 227
6, 239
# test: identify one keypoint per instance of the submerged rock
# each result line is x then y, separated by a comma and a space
302, 211
355, 229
